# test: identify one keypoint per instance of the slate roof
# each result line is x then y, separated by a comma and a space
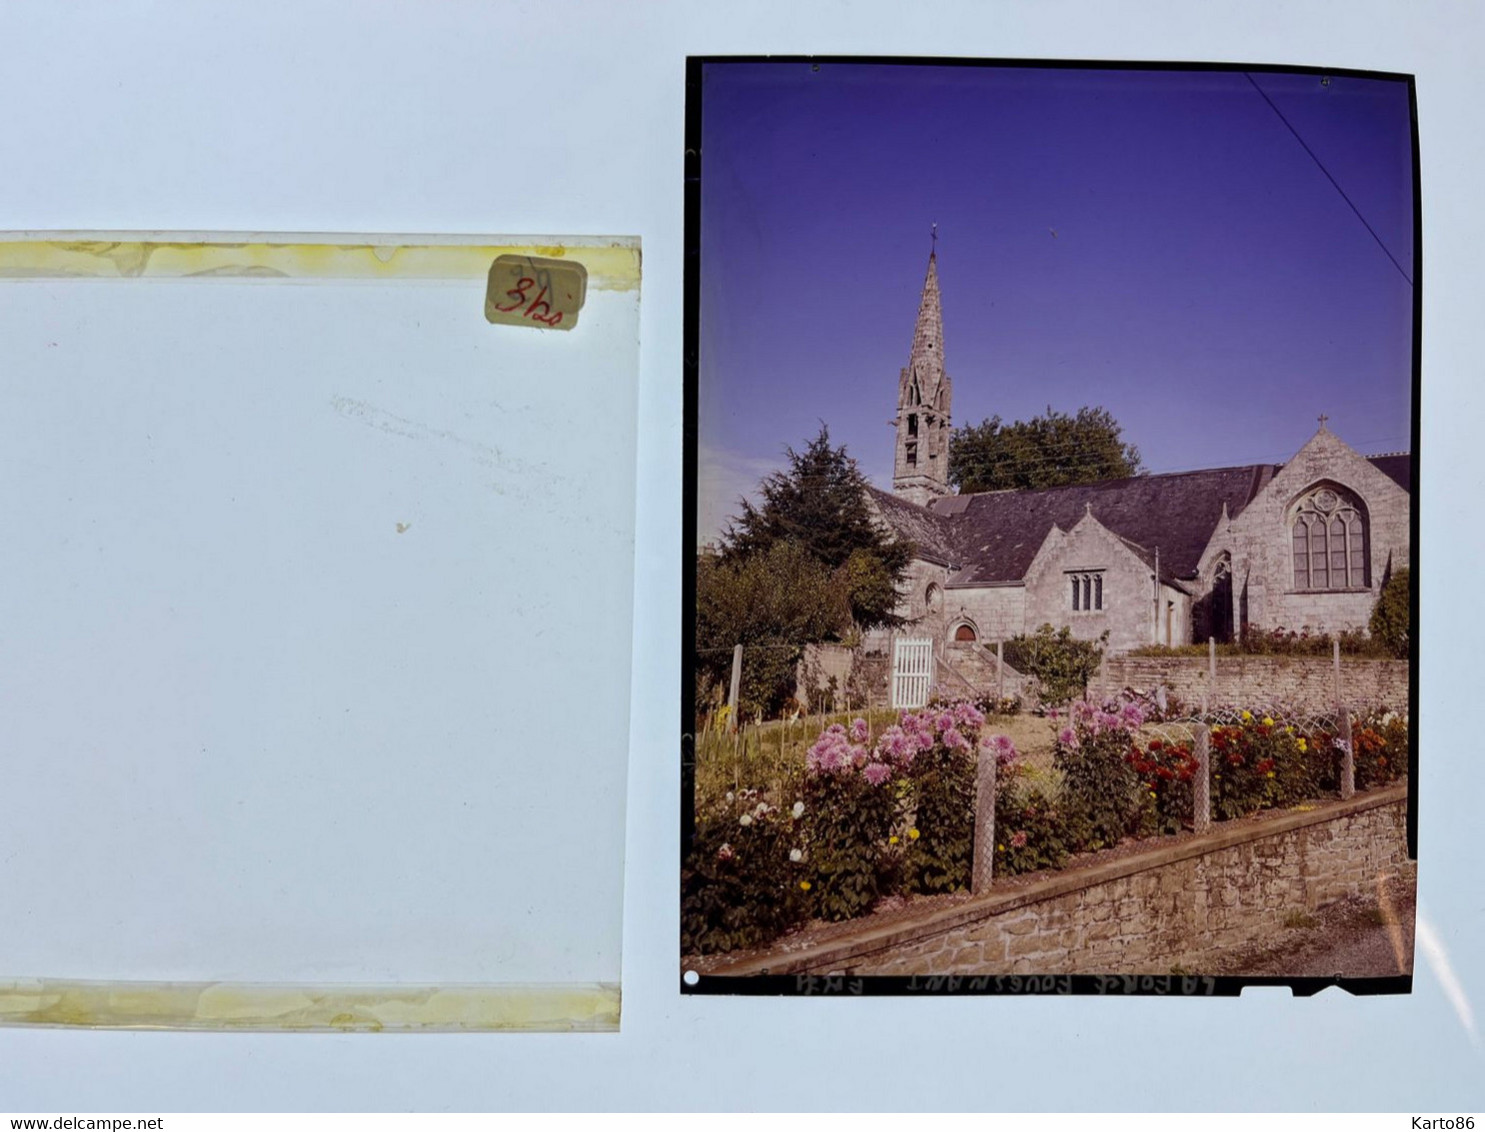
996, 534
929, 532
989, 538
1398, 466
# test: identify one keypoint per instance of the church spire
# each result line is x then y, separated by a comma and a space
924, 396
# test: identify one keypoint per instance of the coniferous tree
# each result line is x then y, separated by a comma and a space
820, 503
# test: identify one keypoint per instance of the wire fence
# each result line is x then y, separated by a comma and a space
736, 753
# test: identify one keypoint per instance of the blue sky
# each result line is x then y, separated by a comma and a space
1158, 243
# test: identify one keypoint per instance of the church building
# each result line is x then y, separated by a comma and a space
1154, 559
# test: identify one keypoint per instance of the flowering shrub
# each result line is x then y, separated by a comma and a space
1031, 831
938, 838
1167, 771
1382, 746
850, 804
1100, 786
1257, 764
986, 705
741, 879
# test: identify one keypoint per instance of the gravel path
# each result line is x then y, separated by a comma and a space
1368, 936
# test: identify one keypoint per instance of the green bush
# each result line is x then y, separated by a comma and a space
1167, 771
1100, 787
849, 820
939, 857
1062, 664
1391, 619
1031, 831
1382, 749
1258, 764
739, 886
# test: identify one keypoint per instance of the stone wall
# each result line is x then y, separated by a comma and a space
1303, 681
1184, 903
820, 665
996, 613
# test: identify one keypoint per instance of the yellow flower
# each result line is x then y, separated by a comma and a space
912, 835
1247, 717
1001, 848
1288, 731
1303, 746
892, 840
1152, 793
1268, 721
805, 885
1270, 774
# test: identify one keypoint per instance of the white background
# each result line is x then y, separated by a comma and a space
290, 640
567, 117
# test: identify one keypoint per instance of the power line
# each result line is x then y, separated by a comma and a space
1321, 166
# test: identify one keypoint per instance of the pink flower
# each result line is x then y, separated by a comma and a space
1018, 839
954, 740
830, 753
1001, 745
859, 731
724, 853
876, 773
968, 714
1131, 715
1067, 737
944, 721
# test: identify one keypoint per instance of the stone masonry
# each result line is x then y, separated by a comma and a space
1303, 681
1182, 904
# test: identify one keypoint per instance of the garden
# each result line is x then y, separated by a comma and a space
804, 821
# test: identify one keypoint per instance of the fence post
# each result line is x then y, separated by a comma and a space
984, 862
1201, 785
1211, 672
733, 689
1000, 671
1343, 718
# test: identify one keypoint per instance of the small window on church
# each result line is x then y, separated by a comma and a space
912, 424
912, 455
964, 633
1087, 592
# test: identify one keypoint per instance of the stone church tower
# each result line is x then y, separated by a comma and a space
920, 469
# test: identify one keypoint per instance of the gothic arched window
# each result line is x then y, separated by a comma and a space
1328, 533
964, 631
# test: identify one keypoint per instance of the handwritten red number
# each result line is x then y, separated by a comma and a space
518, 293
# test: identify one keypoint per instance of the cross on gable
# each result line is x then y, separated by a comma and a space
1323, 419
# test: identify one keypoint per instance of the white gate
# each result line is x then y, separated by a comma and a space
912, 672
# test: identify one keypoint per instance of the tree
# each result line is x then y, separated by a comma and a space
1052, 450
772, 603
820, 504
1392, 615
